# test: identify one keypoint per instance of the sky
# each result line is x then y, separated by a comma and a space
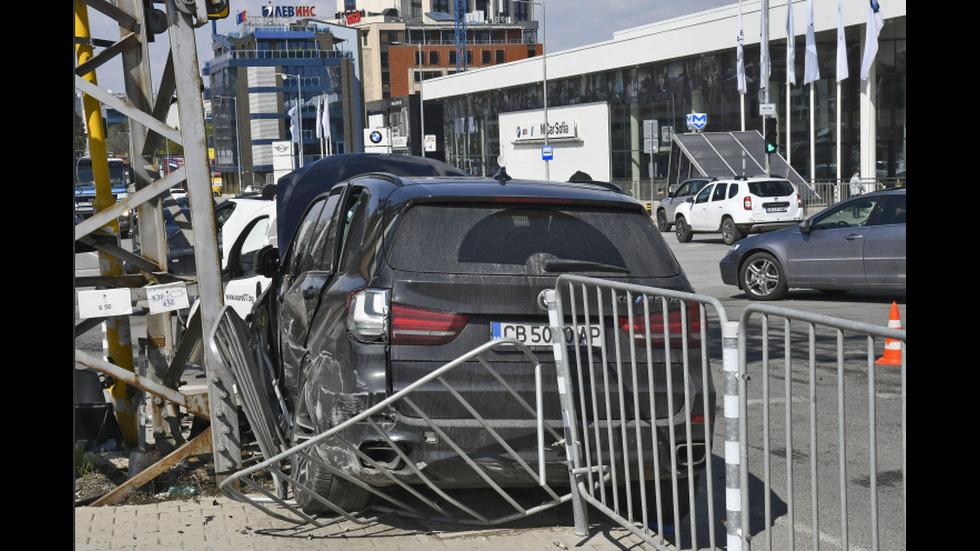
570, 24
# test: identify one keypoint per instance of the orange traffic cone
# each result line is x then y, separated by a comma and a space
893, 348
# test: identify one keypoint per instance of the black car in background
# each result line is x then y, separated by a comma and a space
385, 278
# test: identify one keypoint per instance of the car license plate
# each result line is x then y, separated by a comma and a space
776, 209
539, 336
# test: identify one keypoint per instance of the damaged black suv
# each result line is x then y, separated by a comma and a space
385, 278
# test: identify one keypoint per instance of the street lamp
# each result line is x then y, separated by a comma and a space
421, 98
299, 112
238, 143
544, 79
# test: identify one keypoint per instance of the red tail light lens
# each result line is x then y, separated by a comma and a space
747, 203
639, 325
420, 326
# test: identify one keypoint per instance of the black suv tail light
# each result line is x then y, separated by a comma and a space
413, 325
656, 326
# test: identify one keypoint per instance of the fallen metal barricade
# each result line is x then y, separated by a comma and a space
639, 462
426, 500
823, 431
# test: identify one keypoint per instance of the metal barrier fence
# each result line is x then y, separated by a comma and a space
822, 430
424, 497
641, 409
638, 395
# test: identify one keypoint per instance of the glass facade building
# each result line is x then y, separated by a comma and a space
262, 74
667, 90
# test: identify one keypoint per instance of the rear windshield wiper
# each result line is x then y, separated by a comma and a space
562, 265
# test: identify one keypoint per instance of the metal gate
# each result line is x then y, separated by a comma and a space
810, 451
813, 445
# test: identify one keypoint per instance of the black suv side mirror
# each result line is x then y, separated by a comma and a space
267, 261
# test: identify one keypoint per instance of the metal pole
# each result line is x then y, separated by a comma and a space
421, 103
224, 409
544, 79
118, 341
544, 65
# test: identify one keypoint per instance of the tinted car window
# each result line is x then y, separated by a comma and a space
891, 210
324, 247
719, 193
304, 235
771, 188
526, 241
703, 195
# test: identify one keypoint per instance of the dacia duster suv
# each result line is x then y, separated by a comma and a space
737, 207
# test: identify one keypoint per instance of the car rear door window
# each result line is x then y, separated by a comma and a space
719, 193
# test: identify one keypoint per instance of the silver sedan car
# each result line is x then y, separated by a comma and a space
683, 192
858, 243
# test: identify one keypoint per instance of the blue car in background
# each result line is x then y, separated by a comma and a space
858, 243
84, 181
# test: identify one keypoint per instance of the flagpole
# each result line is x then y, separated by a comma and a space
764, 70
811, 75
740, 60
790, 78
842, 74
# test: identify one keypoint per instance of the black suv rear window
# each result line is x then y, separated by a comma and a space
529, 241
771, 188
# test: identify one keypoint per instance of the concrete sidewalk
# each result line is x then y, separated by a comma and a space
222, 524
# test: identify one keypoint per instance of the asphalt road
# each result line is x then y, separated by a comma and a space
700, 258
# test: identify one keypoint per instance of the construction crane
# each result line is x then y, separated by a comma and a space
460, 13
146, 106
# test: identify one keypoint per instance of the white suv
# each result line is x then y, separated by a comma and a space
738, 207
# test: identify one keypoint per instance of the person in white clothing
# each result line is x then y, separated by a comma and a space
857, 188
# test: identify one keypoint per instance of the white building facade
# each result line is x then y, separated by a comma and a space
608, 96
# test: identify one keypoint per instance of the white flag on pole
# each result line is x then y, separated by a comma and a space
875, 23
740, 55
812, 65
325, 120
293, 124
790, 45
841, 44
319, 114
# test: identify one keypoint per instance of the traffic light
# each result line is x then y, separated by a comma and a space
772, 135
218, 9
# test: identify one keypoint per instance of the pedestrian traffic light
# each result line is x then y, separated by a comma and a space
772, 135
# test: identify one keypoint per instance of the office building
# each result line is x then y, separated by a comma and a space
269, 68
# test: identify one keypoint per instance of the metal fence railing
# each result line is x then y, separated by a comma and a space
642, 406
274, 484
823, 431
812, 446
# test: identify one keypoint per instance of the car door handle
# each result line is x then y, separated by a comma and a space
853, 237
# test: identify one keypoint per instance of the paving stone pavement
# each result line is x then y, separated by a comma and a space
222, 524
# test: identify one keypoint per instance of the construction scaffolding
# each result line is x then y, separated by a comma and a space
142, 278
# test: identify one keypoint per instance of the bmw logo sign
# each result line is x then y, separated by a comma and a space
375, 137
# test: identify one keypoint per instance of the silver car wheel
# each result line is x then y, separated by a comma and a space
762, 278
